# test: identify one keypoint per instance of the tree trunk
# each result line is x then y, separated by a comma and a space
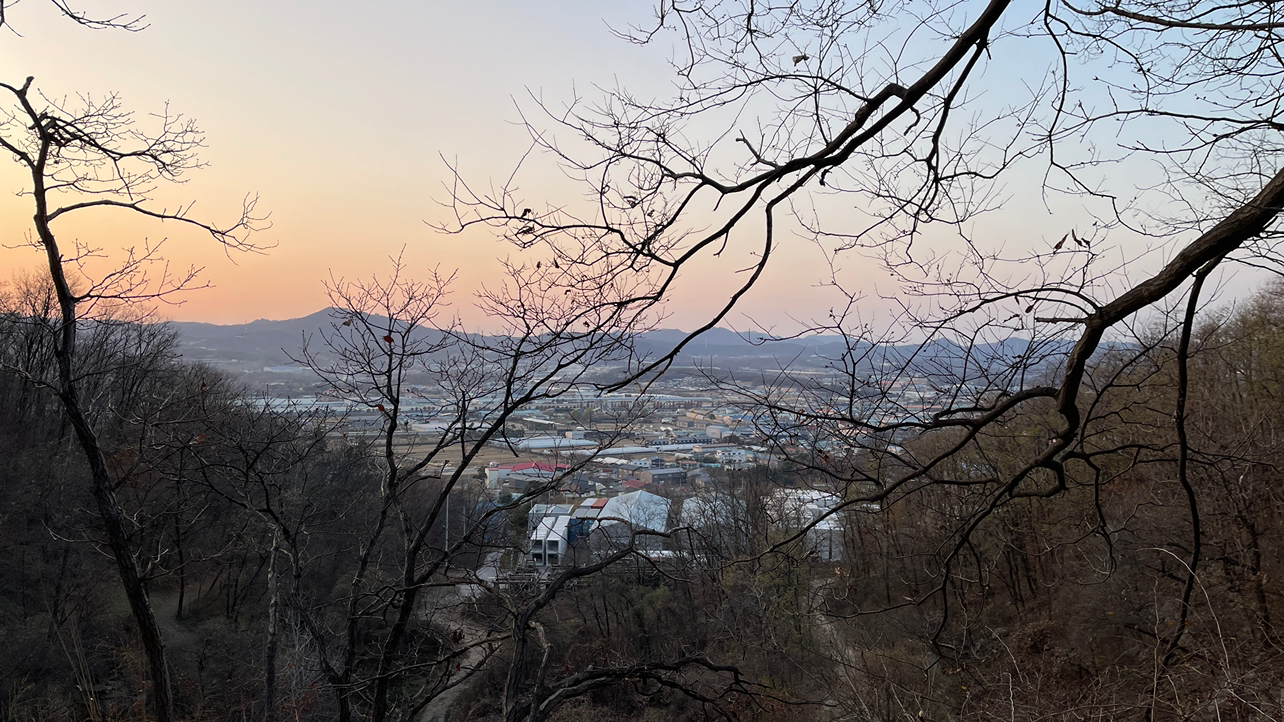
269, 693
113, 518
118, 540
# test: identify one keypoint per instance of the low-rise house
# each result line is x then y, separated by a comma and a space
519, 483
497, 472
734, 455
671, 475
625, 472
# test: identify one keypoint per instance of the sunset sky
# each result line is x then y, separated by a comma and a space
339, 120
338, 115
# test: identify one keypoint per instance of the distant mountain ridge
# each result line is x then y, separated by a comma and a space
272, 343
255, 344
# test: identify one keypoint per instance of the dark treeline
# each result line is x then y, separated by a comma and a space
202, 471
1144, 585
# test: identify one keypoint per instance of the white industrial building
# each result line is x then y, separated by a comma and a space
559, 534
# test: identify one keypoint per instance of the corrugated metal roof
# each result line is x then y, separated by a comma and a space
551, 527
638, 509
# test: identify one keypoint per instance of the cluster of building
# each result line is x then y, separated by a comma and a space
621, 469
670, 451
705, 526
566, 534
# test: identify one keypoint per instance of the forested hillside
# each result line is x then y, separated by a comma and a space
1144, 584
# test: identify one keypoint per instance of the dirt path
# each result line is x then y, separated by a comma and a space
439, 709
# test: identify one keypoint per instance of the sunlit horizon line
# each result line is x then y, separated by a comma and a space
177, 318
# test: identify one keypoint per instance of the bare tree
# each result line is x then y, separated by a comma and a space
120, 21
1012, 382
80, 159
393, 352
